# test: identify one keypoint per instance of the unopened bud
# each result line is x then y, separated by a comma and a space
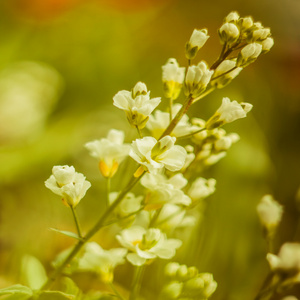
229, 33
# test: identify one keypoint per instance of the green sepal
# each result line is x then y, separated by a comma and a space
68, 233
17, 292
55, 295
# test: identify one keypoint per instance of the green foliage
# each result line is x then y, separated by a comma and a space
67, 233
55, 295
16, 292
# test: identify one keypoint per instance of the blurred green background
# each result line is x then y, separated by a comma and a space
62, 61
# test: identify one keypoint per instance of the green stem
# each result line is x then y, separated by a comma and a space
178, 117
136, 283
220, 59
190, 134
214, 78
91, 233
269, 287
108, 182
76, 221
204, 94
170, 108
139, 132
155, 217
116, 291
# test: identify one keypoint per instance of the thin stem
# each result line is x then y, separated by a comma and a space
139, 132
136, 283
170, 108
269, 287
108, 183
155, 217
91, 233
117, 293
190, 134
76, 221
214, 78
124, 218
220, 59
204, 94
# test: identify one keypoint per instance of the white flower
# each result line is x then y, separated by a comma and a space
197, 79
147, 244
153, 155
260, 34
160, 120
245, 23
225, 142
197, 41
202, 188
228, 112
224, 68
109, 151
68, 184
172, 77
164, 190
232, 17
101, 261
229, 33
288, 259
136, 104
248, 54
267, 44
269, 212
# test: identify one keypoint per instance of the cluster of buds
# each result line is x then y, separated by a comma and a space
187, 283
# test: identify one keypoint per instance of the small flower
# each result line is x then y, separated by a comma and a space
197, 41
259, 34
68, 184
172, 77
154, 155
248, 54
267, 44
109, 151
164, 190
245, 23
225, 142
269, 212
101, 261
202, 188
223, 74
197, 79
136, 104
228, 112
229, 33
147, 244
232, 17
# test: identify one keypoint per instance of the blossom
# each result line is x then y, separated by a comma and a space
228, 112
68, 184
172, 77
225, 142
147, 244
232, 17
267, 44
202, 188
109, 151
197, 79
101, 261
160, 120
164, 190
154, 155
269, 212
197, 41
136, 104
248, 54
229, 33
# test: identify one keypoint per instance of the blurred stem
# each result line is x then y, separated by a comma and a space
139, 132
170, 108
76, 221
156, 215
204, 94
136, 282
116, 291
214, 78
220, 59
92, 232
190, 134
108, 183
269, 287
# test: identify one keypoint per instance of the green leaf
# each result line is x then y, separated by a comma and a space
55, 295
68, 233
17, 292
33, 272
69, 286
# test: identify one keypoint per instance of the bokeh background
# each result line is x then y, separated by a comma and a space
62, 61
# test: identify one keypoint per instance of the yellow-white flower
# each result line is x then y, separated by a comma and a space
147, 244
248, 54
197, 79
267, 44
229, 33
68, 184
269, 212
232, 17
197, 41
109, 151
154, 155
202, 188
172, 77
228, 112
136, 104
101, 261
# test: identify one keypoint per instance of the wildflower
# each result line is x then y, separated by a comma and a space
225, 142
197, 79
147, 244
154, 155
260, 34
248, 54
269, 212
197, 41
228, 112
267, 44
109, 151
202, 188
101, 261
232, 17
172, 77
160, 120
68, 184
136, 104
245, 23
223, 74
229, 33
164, 190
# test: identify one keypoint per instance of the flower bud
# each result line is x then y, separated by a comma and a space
171, 291
248, 54
267, 44
139, 89
245, 23
171, 269
229, 33
259, 34
232, 17
197, 41
63, 174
